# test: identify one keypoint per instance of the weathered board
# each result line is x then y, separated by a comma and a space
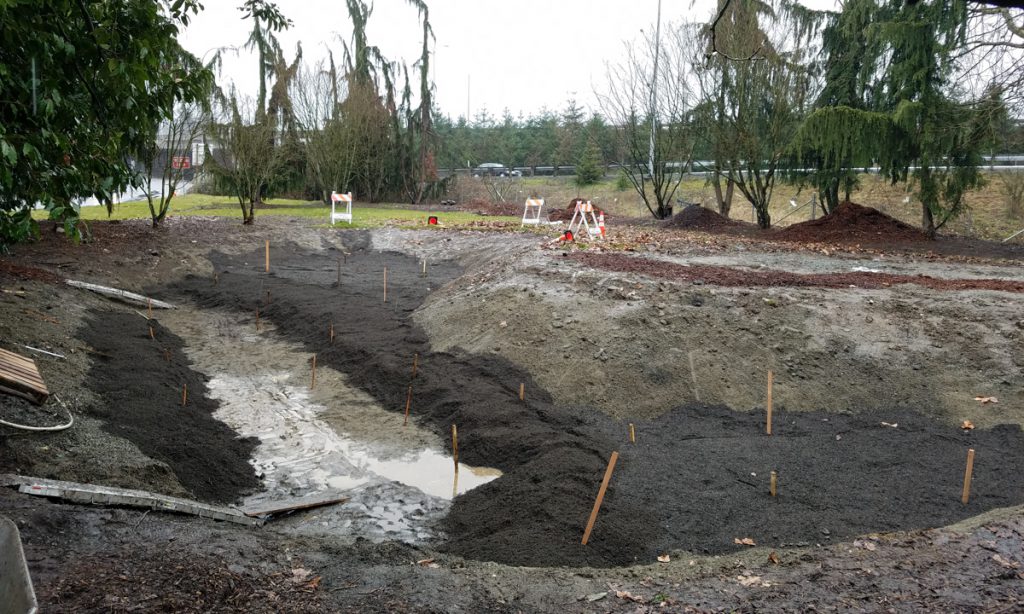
303, 503
108, 495
19, 375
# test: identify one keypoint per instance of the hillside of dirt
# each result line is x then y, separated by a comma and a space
696, 217
851, 222
887, 369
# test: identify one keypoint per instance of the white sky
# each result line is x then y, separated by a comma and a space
495, 54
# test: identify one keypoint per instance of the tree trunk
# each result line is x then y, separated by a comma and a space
927, 221
764, 218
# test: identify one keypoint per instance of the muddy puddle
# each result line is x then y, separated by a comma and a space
332, 439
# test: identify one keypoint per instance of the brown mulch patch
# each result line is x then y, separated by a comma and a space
701, 218
852, 222
728, 276
177, 580
26, 273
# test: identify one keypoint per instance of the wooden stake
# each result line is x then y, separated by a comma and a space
184, 395
771, 487
385, 284
600, 497
268, 256
415, 361
967, 477
522, 391
330, 334
768, 424
424, 273
215, 277
632, 433
455, 447
408, 402
151, 334
312, 383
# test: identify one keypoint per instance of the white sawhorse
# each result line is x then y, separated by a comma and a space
580, 219
531, 214
337, 216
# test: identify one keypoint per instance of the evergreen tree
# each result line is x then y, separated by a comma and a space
590, 168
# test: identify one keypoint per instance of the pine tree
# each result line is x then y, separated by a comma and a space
590, 168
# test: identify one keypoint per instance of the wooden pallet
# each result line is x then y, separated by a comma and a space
19, 375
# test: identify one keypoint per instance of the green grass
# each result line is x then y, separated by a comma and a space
365, 216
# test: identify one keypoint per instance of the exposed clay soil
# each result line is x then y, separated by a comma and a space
491, 314
736, 277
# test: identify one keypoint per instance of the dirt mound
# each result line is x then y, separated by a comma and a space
140, 381
700, 218
852, 222
486, 207
565, 215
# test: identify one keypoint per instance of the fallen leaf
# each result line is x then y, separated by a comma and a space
596, 596
867, 545
774, 558
891, 424
967, 425
300, 573
984, 400
746, 541
998, 558
629, 596
664, 558
314, 583
424, 562
752, 581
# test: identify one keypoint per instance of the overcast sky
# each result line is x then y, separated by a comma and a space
522, 55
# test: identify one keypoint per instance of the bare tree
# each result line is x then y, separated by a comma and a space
642, 100
331, 145
169, 156
243, 155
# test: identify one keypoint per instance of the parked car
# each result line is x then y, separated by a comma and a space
491, 169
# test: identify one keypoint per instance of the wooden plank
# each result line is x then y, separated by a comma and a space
124, 295
20, 375
271, 508
109, 495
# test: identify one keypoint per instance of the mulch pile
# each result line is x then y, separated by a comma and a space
697, 217
851, 222
736, 277
25, 273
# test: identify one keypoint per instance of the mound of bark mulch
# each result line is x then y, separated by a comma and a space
736, 277
26, 273
140, 381
700, 218
852, 222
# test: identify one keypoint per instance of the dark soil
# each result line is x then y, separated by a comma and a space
685, 485
696, 217
140, 381
728, 276
850, 222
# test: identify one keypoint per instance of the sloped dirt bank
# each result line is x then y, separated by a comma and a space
695, 481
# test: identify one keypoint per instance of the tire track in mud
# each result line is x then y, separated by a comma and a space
675, 490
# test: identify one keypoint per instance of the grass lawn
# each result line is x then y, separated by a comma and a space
365, 216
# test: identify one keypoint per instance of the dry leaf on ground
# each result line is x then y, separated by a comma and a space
984, 400
664, 558
967, 425
746, 541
